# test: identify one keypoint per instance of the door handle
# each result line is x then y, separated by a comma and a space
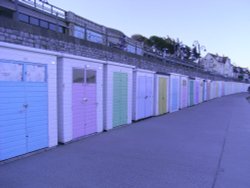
24, 108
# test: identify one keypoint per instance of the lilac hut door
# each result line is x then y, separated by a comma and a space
90, 103
83, 102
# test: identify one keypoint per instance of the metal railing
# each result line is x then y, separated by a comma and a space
45, 7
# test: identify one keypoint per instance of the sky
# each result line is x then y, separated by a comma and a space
222, 26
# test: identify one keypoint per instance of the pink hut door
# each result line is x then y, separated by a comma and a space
84, 102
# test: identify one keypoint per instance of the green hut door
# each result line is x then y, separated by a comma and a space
162, 102
191, 92
120, 98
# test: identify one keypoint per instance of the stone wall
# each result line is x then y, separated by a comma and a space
27, 35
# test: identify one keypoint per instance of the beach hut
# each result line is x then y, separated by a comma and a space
201, 90
204, 98
118, 94
198, 91
143, 94
191, 91
222, 88
227, 88
212, 89
28, 104
161, 94
80, 97
208, 89
183, 91
174, 103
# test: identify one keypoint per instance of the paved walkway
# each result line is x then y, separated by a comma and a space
206, 146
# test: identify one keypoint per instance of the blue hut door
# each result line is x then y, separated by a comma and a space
36, 95
175, 94
23, 109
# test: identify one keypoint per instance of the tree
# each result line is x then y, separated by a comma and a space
170, 45
187, 52
195, 53
166, 44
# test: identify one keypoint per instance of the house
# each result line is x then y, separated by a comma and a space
217, 64
243, 74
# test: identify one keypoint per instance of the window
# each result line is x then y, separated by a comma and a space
34, 21
11, 72
130, 48
35, 73
52, 27
139, 51
61, 29
23, 18
79, 32
44, 24
6, 13
78, 75
91, 76
94, 37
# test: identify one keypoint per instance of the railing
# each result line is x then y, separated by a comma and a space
45, 7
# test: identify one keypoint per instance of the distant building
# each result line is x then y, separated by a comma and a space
243, 74
217, 64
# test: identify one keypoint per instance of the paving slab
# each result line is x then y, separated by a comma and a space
205, 146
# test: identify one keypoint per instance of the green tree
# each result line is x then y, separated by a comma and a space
162, 43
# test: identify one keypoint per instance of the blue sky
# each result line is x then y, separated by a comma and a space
222, 26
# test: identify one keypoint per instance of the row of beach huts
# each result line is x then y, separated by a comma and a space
48, 97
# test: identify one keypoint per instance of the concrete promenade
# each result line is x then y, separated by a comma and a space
205, 146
